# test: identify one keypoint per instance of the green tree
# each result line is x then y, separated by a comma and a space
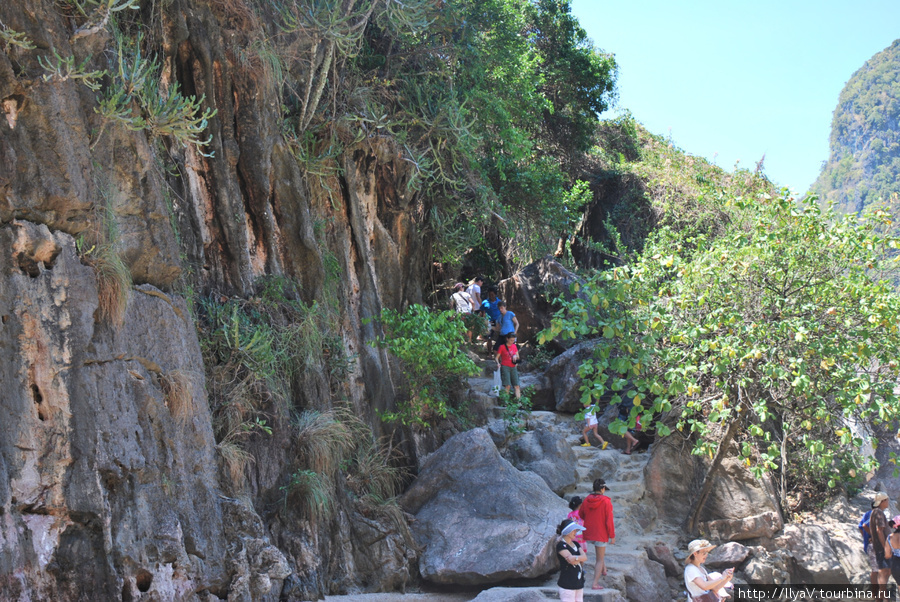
779, 336
490, 77
429, 346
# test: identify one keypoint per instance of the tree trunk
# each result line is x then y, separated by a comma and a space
710, 476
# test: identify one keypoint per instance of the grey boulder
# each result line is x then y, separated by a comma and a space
546, 452
479, 520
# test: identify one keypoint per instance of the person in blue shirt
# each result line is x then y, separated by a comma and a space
489, 307
508, 323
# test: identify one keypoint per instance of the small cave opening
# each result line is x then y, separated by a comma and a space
143, 580
38, 400
28, 265
50, 261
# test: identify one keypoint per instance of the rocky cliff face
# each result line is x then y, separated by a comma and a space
109, 482
864, 156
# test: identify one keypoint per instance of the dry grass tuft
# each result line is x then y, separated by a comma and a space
377, 470
236, 460
179, 398
113, 284
323, 441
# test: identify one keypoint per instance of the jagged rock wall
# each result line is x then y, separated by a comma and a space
103, 490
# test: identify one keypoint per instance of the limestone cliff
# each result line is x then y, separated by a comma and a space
108, 488
864, 155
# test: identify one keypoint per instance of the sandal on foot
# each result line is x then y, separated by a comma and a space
597, 587
585, 445
605, 443
627, 453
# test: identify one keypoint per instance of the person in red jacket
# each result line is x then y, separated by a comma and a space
597, 512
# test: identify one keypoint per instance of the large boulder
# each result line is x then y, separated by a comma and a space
529, 293
727, 555
815, 560
479, 520
746, 505
561, 377
646, 580
660, 552
765, 524
767, 568
546, 452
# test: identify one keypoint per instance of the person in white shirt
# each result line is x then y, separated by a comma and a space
474, 291
702, 586
463, 303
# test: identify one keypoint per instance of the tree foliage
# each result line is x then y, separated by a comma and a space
491, 102
429, 346
784, 326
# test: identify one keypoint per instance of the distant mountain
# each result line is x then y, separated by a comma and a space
864, 163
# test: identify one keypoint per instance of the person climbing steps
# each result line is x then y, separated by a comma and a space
590, 418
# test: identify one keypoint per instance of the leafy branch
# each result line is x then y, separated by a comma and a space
66, 68
101, 11
15, 38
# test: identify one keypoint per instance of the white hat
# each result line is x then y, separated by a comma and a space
698, 545
573, 526
880, 496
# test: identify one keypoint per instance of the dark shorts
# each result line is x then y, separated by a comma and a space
509, 376
881, 561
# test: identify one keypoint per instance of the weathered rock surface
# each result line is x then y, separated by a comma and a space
108, 484
765, 524
646, 580
766, 567
478, 519
741, 506
117, 486
509, 594
529, 293
545, 452
661, 553
816, 561
727, 555
562, 377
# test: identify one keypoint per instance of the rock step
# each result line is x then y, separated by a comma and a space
618, 490
622, 475
603, 595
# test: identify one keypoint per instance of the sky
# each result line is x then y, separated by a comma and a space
736, 81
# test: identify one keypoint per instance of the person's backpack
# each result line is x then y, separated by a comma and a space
864, 529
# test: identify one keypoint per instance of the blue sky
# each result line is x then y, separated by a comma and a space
738, 80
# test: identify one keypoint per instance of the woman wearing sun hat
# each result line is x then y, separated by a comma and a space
571, 562
702, 586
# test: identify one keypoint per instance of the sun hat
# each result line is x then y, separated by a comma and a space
895, 522
573, 526
880, 496
459, 285
698, 545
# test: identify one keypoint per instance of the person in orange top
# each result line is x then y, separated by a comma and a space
597, 512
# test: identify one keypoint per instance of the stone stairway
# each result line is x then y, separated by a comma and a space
634, 515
